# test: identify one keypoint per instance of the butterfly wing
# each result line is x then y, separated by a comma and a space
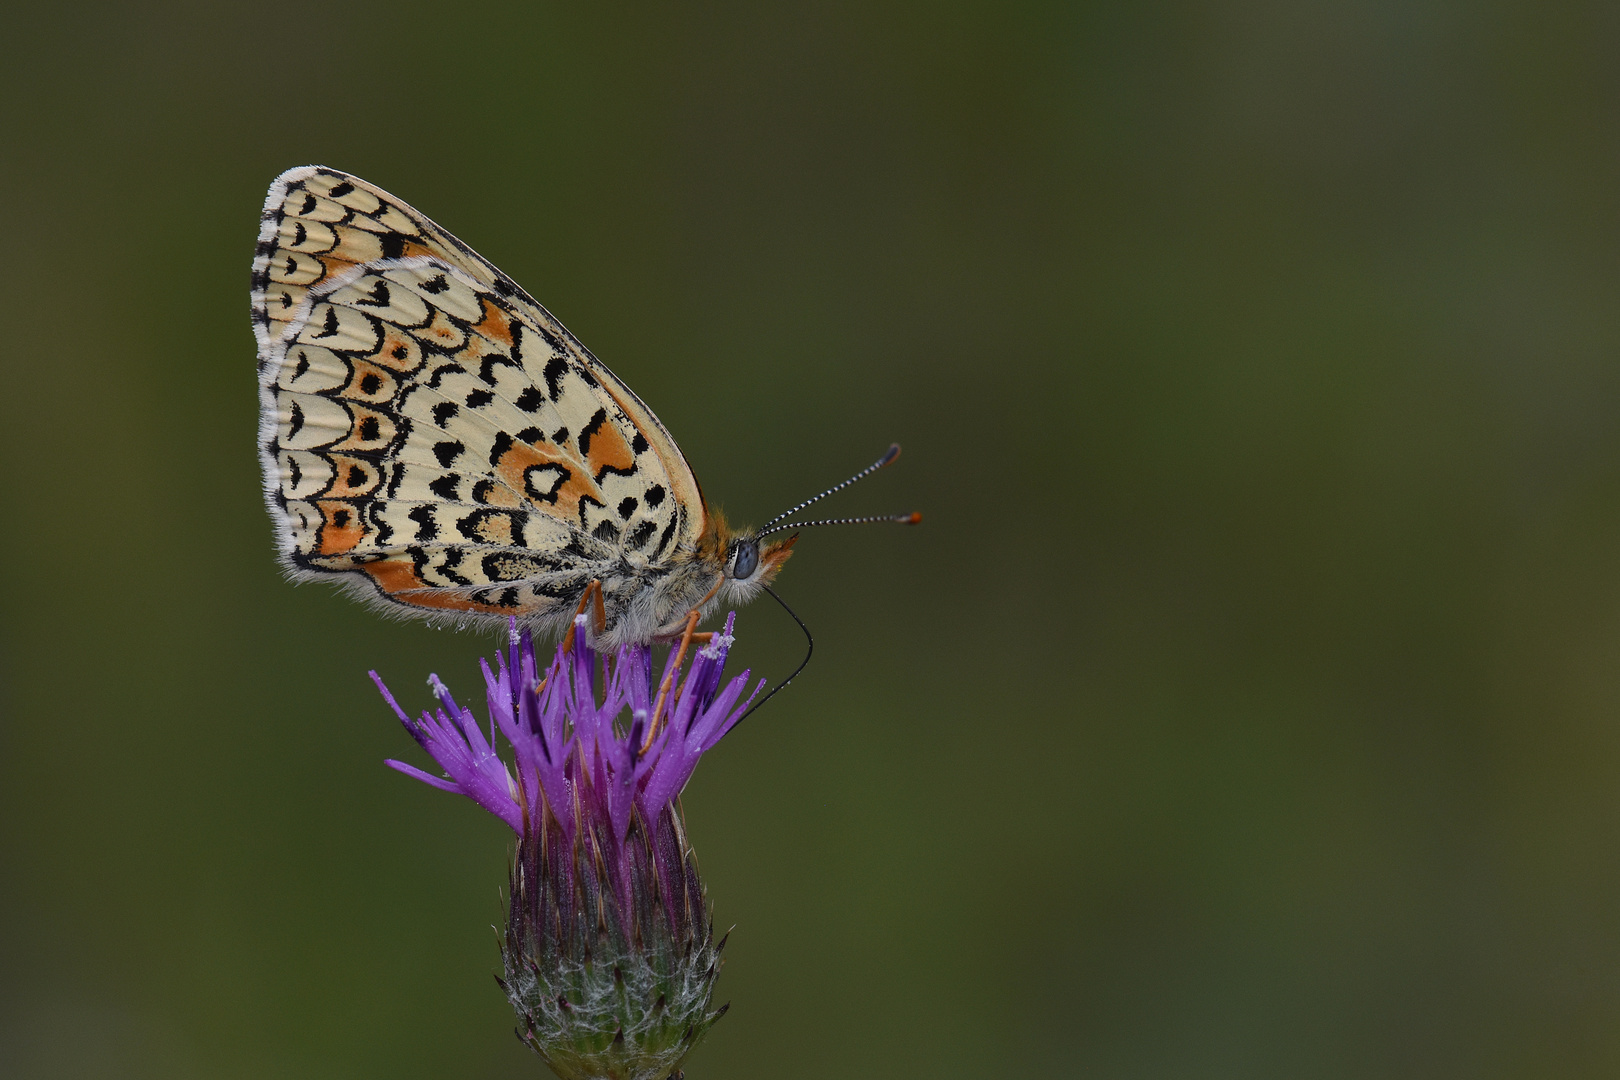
432, 434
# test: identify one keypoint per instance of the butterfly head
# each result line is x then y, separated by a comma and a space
752, 564
745, 561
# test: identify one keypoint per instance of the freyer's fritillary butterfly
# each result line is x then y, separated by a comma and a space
435, 440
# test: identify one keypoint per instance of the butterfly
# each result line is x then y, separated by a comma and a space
435, 440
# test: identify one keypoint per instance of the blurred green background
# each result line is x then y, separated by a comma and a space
1248, 704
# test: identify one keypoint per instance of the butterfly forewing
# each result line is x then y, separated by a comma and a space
431, 430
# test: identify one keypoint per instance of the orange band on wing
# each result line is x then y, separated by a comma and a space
400, 581
340, 529
334, 265
542, 487
494, 325
609, 451
411, 250
352, 478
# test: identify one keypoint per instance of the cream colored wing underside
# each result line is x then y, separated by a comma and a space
428, 426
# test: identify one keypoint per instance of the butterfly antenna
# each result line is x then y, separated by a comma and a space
897, 519
809, 648
776, 525
892, 453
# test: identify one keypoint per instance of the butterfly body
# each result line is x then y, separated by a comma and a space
434, 440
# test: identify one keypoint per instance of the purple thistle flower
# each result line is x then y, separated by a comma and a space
609, 951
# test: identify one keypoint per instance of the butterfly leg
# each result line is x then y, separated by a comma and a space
688, 634
683, 629
687, 638
594, 589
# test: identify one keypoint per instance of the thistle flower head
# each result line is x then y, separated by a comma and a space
609, 953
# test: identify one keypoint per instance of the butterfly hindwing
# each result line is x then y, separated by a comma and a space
429, 429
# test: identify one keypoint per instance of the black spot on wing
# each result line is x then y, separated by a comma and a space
472, 525
555, 369
655, 496
640, 535
444, 411
627, 506
341, 190
509, 566
486, 367
606, 531
530, 400
296, 423
664, 539
448, 451
639, 443
447, 487
452, 559
589, 431
378, 297
384, 530
503, 443
426, 527
479, 398
436, 284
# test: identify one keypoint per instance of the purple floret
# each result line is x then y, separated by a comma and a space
579, 746
609, 956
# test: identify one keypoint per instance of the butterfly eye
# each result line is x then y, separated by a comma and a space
744, 559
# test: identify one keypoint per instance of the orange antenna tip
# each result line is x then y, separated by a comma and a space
915, 518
